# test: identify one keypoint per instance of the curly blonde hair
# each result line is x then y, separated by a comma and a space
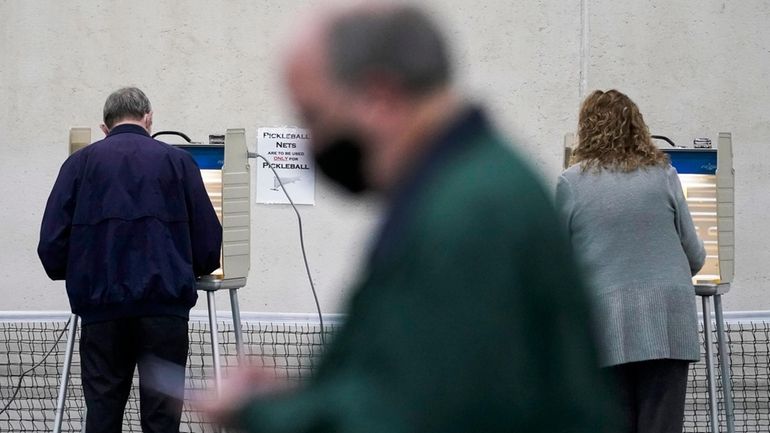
612, 135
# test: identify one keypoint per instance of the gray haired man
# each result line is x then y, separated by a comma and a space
470, 315
129, 225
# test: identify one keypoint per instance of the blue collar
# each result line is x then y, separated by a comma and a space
128, 128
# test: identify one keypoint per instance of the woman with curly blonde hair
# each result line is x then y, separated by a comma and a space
628, 221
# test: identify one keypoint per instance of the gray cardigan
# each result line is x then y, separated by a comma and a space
637, 242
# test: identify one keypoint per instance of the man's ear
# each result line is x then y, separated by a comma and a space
148, 122
104, 129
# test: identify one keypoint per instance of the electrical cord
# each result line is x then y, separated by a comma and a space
177, 133
664, 138
21, 378
302, 246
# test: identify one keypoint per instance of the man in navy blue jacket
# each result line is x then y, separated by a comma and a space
129, 226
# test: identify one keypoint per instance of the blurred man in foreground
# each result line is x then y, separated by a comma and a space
129, 225
469, 316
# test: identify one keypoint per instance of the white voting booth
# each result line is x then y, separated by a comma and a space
225, 171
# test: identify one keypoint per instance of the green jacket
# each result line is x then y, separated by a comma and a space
470, 316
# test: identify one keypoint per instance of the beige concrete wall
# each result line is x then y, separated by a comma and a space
695, 68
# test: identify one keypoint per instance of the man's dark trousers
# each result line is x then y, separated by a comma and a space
109, 352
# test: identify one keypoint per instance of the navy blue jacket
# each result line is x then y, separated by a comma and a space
129, 225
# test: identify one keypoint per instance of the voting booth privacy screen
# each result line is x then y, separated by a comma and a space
708, 182
225, 171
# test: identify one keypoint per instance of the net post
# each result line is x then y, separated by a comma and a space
724, 359
211, 301
713, 414
237, 329
65, 375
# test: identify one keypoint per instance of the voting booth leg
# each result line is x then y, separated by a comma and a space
724, 359
65, 374
210, 298
236, 310
710, 365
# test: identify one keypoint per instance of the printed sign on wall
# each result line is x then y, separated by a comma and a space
288, 152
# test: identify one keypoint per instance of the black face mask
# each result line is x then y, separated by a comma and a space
342, 160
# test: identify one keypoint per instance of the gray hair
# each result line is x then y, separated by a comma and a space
400, 41
125, 103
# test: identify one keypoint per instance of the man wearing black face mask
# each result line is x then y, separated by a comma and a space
470, 315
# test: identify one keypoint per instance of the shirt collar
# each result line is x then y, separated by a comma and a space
128, 128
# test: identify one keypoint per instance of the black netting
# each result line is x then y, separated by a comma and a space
292, 349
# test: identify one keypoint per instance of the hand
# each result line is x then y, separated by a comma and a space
241, 386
